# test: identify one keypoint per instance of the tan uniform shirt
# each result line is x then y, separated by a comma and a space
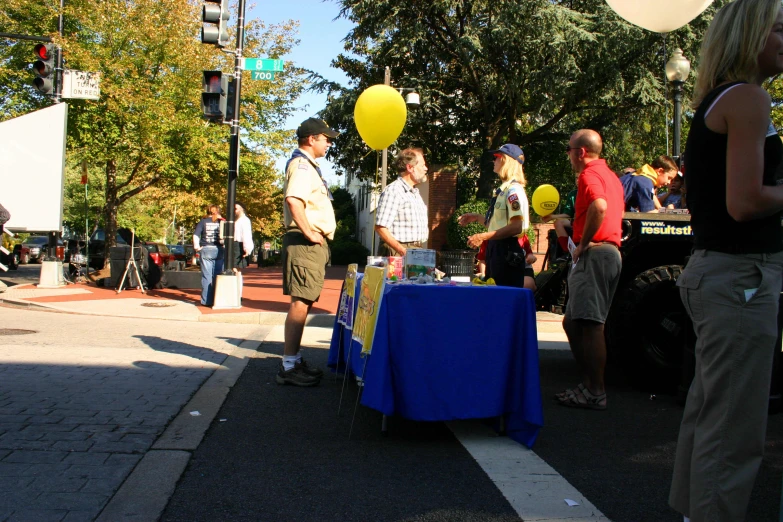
511, 202
303, 182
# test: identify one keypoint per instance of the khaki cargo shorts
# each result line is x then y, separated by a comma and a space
593, 282
304, 266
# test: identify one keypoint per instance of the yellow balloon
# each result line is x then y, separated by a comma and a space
545, 200
380, 115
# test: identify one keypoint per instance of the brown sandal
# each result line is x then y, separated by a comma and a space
583, 398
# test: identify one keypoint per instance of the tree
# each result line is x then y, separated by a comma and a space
146, 130
527, 72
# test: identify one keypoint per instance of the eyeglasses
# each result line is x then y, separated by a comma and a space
569, 148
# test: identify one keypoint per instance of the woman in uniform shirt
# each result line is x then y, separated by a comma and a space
506, 219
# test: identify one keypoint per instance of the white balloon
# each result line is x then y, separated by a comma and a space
660, 16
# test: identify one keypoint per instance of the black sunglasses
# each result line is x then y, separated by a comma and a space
569, 148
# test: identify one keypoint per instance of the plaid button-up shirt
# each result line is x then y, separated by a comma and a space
402, 211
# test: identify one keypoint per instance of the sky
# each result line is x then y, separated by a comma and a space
320, 41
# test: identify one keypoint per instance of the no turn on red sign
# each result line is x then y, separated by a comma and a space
81, 85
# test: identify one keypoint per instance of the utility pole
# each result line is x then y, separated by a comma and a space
58, 88
233, 160
385, 155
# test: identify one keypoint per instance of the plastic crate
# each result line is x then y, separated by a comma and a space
457, 262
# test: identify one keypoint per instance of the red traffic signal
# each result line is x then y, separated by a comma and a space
44, 51
43, 67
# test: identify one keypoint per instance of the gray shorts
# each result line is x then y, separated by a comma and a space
592, 283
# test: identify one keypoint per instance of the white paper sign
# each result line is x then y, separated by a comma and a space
571, 249
81, 84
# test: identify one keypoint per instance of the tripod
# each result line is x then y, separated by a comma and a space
132, 263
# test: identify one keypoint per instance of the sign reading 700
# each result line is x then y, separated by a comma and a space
263, 68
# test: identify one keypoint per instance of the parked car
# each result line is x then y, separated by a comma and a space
191, 256
159, 252
177, 252
34, 250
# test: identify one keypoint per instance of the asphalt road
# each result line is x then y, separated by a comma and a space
283, 454
23, 275
622, 458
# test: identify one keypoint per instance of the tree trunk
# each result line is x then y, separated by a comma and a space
110, 221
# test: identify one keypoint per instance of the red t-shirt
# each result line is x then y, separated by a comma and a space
597, 181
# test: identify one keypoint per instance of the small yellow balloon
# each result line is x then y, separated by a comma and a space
545, 200
380, 115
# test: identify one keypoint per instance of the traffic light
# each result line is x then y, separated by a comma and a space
44, 67
230, 97
215, 98
215, 12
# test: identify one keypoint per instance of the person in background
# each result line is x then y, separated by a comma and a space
563, 227
206, 241
596, 267
507, 218
530, 258
675, 196
309, 221
243, 236
731, 284
640, 187
4, 217
402, 221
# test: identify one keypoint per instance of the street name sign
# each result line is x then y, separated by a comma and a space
82, 85
263, 64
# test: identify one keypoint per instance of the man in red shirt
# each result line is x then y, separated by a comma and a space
596, 266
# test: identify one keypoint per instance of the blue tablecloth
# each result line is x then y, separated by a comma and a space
451, 352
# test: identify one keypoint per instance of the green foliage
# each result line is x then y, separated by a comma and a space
466, 186
344, 213
457, 236
346, 251
496, 71
149, 153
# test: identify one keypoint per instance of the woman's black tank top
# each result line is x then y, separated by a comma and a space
705, 182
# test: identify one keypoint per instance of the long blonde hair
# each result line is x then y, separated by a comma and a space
511, 169
730, 49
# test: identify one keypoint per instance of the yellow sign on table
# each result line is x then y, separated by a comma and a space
368, 306
347, 302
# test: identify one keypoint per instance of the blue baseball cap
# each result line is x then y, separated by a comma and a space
511, 150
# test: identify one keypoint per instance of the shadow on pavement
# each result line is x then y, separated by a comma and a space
622, 458
283, 454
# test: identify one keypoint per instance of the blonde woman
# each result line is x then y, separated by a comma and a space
731, 285
506, 219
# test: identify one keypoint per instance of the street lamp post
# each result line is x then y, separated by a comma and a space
411, 100
677, 70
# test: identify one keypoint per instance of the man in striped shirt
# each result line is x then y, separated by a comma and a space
401, 217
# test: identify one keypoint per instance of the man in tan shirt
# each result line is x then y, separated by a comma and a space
309, 221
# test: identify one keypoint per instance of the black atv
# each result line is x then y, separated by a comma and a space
648, 331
